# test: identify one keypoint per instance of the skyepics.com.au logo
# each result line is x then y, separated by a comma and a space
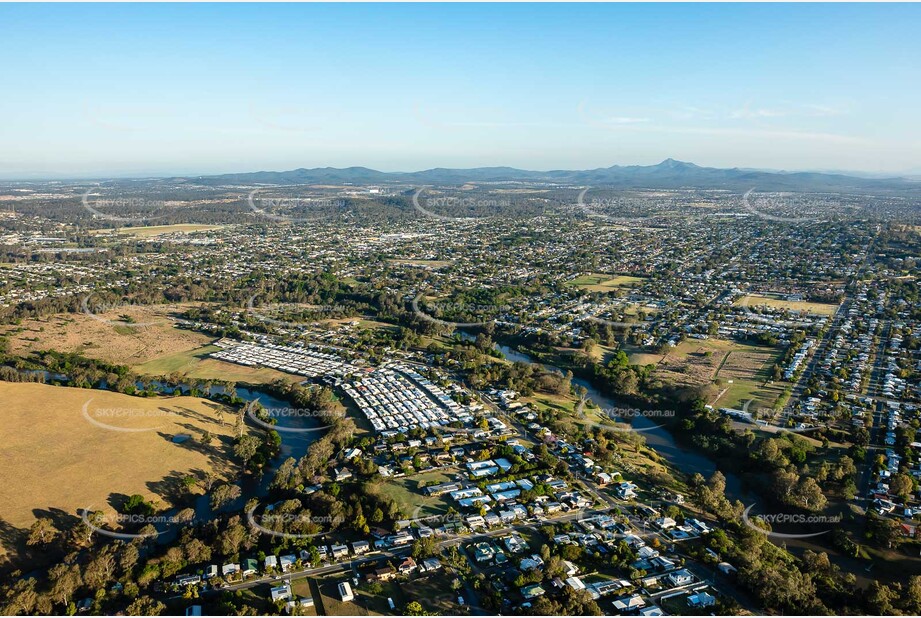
428, 310
117, 525
442, 206
97, 307
291, 524
771, 307
122, 209
771, 419
614, 523
780, 207
262, 313
769, 520
294, 209
624, 419
612, 311
420, 521
127, 419
615, 210
287, 415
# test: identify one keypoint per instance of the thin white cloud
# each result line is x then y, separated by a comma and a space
760, 133
625, 120
637, 124
823, 110
746, 113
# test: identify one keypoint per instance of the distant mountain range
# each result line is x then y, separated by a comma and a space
669, 174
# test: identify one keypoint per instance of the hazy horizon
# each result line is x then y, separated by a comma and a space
141, 91
43, 177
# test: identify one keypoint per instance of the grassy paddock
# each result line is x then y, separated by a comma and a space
151, 334
66, 462
196, 364
761, 300
599, 282
407, 493
148, 231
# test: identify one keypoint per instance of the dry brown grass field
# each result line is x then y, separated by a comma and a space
153, 336
56, 460
153, 345
693, 362
149, 231
761, 300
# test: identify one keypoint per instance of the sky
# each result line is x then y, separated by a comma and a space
138, 90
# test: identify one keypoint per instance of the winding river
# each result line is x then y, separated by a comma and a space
293, 444
657, 437
687, 461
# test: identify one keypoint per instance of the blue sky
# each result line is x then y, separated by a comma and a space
161, 89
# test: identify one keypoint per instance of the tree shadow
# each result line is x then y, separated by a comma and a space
13, 540
117, 501
171, 488
60, 519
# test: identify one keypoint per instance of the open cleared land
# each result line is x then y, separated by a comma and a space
149, 231
700, 362
332, 603
407, 493
637, 355
429, 263
597, 282
693, 362
362, 323
750, 373
95, 464
195, 364
760, 300
152, 345
431, 591
106, 336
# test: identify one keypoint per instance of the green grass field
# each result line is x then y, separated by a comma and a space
750, 370
599, 282
408, 495
196, 364
555, 403
180, 361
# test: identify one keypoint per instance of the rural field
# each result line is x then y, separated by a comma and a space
597, 282
196, 365
428, 263
151, 345
693, 362
152, 334
637, 355
741, 369
150, 231
407, 493
74, 448
762, 300
746, 374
